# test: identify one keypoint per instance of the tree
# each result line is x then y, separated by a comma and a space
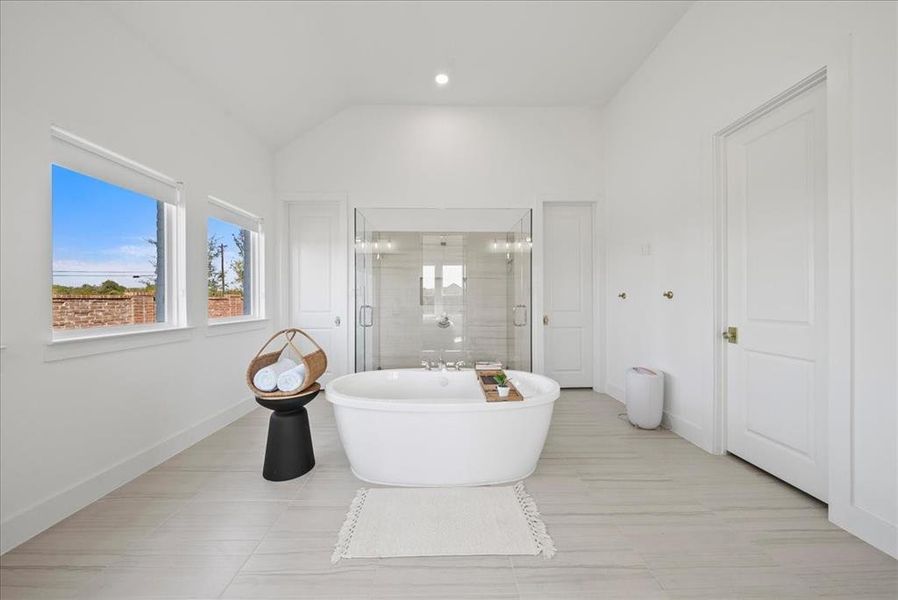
238, 263
111, 287
213, 251
150, 282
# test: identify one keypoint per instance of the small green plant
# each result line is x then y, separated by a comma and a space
501, 380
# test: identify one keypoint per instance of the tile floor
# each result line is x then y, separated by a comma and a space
635, 514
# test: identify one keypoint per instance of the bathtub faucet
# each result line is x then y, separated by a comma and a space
457, 366
442, 365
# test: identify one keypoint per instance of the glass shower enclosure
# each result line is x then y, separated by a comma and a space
442, 296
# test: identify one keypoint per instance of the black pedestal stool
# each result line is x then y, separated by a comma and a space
289, 451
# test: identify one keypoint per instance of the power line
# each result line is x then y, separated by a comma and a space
103, 273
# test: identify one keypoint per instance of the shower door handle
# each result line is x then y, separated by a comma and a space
369, 310
522, 308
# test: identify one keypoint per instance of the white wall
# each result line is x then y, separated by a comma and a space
72, 430
445, 157
718, 63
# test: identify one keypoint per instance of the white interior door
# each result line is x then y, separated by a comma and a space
776, 296
568, 276
317, 278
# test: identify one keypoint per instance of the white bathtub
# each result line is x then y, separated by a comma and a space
414, 427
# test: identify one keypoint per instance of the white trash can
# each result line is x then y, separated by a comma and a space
645, 397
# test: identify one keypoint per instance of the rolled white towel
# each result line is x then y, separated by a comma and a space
266, 379
291, 379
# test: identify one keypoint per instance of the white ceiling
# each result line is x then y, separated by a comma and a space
283, 67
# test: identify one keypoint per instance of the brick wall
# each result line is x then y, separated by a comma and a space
143, 308
230, 305
78, 312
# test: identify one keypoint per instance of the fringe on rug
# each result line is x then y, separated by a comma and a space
537, 527
348, 528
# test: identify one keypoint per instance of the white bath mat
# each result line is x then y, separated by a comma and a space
389, 522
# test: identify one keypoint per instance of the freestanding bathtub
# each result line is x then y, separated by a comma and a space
412, 427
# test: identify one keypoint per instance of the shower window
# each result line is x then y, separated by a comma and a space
428, 285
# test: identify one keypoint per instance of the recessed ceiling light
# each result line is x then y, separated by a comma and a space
441, 79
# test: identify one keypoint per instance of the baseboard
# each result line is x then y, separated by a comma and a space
880, 534
684, 428
29, 522
616, 392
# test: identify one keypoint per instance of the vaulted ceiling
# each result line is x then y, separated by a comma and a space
283, 67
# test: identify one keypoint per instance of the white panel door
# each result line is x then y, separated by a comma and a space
776, 292
567, 267
317, 278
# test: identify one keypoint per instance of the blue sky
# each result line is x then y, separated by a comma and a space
100, 232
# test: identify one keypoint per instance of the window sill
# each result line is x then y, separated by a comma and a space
75, 346
236, 325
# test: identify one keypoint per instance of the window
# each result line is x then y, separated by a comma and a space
116, 242
234, 258
443, 290
453, 280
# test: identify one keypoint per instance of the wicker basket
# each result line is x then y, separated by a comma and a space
316, 364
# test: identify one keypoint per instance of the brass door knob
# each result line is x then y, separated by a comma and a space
731, 335
622, 295
668, 294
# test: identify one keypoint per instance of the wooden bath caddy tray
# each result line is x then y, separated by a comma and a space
489, 389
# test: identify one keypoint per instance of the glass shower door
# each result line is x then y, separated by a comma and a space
365, 341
